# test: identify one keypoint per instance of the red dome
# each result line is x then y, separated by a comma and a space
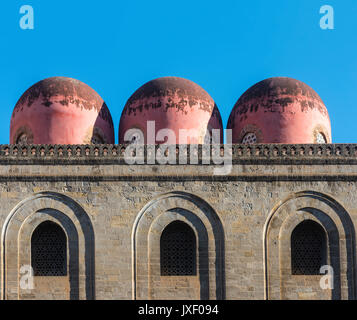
280, 110
61, 110
173, 103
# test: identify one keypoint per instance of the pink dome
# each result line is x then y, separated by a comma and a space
280, 110
61, 110
173, 103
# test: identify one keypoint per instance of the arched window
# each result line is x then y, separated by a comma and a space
249, 138
178, 250
49, 250
320, 138
308, 248
22, 139
23, 135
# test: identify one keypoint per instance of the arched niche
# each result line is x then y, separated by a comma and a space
280, 283
16, 244
148, 227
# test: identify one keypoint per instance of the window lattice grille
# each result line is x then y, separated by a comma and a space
178, 250
308, 249
320, 138
22, 139
249, 138
49, 250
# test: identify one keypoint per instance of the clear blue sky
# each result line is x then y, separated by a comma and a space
224, 46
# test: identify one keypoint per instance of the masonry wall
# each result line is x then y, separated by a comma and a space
113, 214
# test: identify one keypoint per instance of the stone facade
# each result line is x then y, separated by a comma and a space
113, 214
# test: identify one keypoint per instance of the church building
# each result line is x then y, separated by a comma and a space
269, 212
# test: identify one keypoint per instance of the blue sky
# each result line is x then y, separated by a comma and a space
224, 46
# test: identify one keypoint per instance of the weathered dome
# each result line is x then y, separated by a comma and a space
172, 103
61, 110
280, 110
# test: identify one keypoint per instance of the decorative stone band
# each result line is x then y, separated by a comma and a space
239, 153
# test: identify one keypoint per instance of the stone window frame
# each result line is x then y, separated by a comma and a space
340, 231
146, 232
161, 223
246, 135
23, 130
16, 242
251, 128
322, 130
30, 224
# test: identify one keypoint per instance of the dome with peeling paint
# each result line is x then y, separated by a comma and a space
280, 110
170, 103
61, 110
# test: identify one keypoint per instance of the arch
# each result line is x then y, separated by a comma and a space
16, 239
333, 218
68, 285
208, 229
